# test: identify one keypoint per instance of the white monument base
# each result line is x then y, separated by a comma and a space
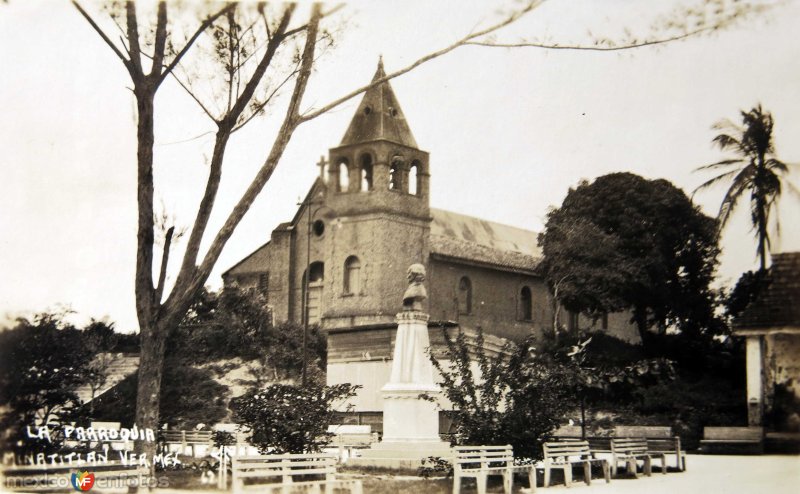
410, 417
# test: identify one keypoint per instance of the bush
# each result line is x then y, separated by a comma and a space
435, 466
518, 398
286, 418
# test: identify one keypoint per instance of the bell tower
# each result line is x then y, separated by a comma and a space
377, 182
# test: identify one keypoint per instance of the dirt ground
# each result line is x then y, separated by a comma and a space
706, 474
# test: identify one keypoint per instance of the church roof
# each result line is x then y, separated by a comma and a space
473, 239
778, 303
379, 117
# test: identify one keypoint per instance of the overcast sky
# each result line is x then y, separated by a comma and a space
509, 131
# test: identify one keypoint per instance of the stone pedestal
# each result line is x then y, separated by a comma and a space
410, 422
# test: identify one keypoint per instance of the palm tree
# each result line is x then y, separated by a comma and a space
756, 170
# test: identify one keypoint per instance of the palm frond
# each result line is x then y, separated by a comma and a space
712, 181
740, 183
719, 164
792, 188
725, 141
774, 164
727, 124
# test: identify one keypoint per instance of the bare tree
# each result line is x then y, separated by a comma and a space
257, 50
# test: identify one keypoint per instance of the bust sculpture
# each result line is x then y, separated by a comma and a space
415, 294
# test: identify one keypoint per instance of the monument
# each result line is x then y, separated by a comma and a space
410, 421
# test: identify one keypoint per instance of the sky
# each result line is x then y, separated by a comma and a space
509, 131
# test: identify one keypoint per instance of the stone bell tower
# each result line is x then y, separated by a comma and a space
377, 185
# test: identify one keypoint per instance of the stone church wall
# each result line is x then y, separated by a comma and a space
495, 304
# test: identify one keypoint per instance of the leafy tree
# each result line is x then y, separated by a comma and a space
656, 252
43, 361
190, 396
606, 370
235, 323
755, 170
746, 290
285, 418
254, 51
517, 397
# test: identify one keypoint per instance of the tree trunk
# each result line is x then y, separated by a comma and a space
762, 231
151, 369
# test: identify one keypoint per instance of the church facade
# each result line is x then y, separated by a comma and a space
342, 260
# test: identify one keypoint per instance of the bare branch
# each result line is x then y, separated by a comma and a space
223, 134
162, 276
133, 38
627, 46
195, 98
266, 101
161, 41
206, 23
99, 31
304, 27
462, 42
290, 122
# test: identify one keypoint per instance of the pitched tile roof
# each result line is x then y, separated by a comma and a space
778, 304
468, 238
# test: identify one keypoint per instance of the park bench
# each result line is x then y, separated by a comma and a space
186, 439
597, 444
479, 462
109, 477
659, 440
732, 440
629, 450
289, 473
565, 455
347, 437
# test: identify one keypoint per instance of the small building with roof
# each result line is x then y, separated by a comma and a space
771, 326
341, 261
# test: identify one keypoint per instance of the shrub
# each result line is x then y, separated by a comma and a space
286, 418
518, 398
435, 466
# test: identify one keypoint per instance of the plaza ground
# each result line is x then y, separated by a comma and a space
706, 474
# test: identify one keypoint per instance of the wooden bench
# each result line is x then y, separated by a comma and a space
187, 439
479, 462
565, 455
732, 440
597, 444
348, 437
659, 440
630, 450
111, 476
289, 472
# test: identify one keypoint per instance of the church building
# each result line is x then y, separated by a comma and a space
342, 260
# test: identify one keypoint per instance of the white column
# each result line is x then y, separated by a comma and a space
755, 379
406, 417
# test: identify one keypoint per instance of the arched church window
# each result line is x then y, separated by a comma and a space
525, 304
464, 296
413, 178
366, 173
316, 273
395, 170
352, 275
344, 176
